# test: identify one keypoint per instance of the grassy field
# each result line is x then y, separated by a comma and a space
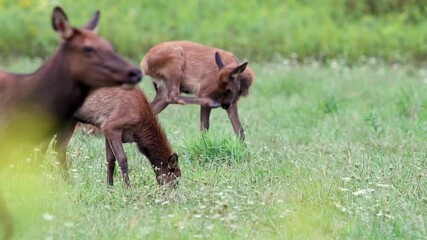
393, 30
332, 153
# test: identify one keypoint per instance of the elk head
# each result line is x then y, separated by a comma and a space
169, 173
89, 58
229, 83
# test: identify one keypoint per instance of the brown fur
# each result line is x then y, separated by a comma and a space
124, 117
57, 89
71, 73
214, 75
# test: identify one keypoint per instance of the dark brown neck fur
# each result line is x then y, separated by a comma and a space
150, 139
56, 91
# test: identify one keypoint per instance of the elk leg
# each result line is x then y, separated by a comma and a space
206, 102
111, 163
114, 138
174, 94
158, 96
235, 121
174, 78
159, 102
159, 106
63, 139
205, 112
5, 220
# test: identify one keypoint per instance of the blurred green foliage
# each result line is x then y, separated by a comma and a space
394, 30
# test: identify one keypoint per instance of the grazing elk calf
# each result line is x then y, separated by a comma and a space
123, 117
83, 62
216, 76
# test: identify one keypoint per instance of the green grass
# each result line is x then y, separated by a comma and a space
257, 30
331, 153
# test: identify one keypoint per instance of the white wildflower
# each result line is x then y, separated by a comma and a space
48, 217
363, 191
383, 185
346, 179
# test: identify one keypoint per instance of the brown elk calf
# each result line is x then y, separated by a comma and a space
83, 62
124, 117
216, 76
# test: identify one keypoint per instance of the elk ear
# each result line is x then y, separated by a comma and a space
173, 161
60, 23
93, 23
238, 69
218, 61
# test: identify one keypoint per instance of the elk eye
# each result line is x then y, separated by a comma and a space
88, 49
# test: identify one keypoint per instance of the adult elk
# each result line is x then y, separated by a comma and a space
124, 117
216, 76
83, 62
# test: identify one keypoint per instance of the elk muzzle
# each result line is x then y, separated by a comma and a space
134, 77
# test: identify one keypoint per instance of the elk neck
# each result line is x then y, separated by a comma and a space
55, 90
151, 139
